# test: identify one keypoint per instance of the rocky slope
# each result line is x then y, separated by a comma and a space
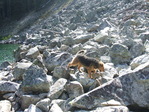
113, 31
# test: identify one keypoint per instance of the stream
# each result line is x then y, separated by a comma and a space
6, 52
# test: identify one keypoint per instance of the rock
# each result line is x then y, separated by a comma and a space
101, 37
137, 49
68, 41
92, 28
60, 72
75, 48
139, 60
123, 69
111, 103
44, 104
9, 96
57, 89
8, 87
3, 75
91, 16
104, 24
127, 89
32, 53
144, 36
53, 59
19, 70
119, 54
5, 64
110, 70
146, 44
36, 80
107, 109
105, 59
103, 50
55, 108
74, 89
85, 81
21, 52
83, 38
39, 61
60, 102
27, 100
5, 106
32, 108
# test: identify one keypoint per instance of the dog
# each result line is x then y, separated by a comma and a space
89, 63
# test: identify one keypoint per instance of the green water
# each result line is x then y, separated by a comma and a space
6, 52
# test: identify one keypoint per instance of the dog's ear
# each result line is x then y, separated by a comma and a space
81, 52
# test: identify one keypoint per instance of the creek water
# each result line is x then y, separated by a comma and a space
6, 52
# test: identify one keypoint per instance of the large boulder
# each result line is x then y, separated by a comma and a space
127, 89
35, 79
120, 54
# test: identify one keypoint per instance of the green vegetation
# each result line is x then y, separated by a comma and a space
5, 37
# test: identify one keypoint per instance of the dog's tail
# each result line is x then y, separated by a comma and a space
81, 52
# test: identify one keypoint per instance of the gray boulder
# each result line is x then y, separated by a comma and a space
137, 49
27, 100
60, 72
57, 89
74, 89
53, 59
120, 54
35, 79
7, 87
67, 41
85, 81
19, 70
32, 53
44, 104
83, 38
127, 89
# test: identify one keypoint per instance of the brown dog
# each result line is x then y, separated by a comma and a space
91, 64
